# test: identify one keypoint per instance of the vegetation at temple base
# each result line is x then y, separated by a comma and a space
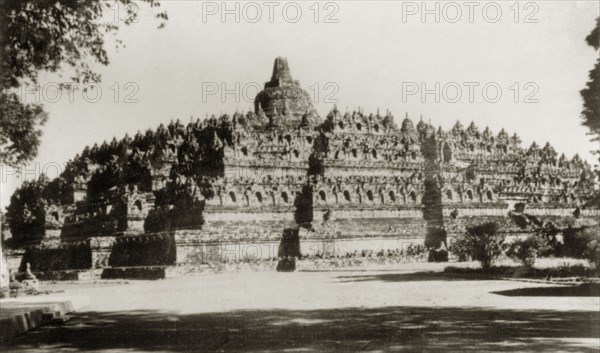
583, 243
49, 36
576, 240
592, 253
528, 250
482, 243
435, 241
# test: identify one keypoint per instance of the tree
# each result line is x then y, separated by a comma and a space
482, 243
591, 94
49, 35
26, 211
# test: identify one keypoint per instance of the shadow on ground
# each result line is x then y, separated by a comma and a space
414, 277
345, 330
582, 290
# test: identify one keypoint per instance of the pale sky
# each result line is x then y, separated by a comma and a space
371, 58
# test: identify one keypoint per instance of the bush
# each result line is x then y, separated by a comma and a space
459, 248
527, 250
592, 253
434, 241
438, 255
549, 232
482, 243
576, 240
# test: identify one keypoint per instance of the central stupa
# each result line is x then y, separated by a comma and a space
283, 95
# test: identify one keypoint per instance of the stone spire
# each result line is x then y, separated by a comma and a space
281, 71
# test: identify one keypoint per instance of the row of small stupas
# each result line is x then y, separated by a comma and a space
283, 162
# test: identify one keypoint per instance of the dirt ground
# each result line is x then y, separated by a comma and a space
323, 311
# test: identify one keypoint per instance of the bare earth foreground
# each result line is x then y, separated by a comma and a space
322, 311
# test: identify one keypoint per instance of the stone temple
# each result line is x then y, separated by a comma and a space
227, 187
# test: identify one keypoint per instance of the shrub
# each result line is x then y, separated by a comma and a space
549, 232
527, 250
438, 255
435, 241
576, 240
583, 243
592, 253
289, 246
482, 243
459, 248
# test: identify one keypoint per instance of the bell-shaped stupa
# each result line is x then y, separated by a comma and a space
283, 95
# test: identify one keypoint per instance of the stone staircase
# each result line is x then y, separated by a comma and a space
19, 315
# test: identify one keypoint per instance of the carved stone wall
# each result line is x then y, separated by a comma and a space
244, 178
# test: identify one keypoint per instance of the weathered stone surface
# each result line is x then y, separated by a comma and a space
183, 193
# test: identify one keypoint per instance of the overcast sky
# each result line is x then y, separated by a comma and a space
375, 54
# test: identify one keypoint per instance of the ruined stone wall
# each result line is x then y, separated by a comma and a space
55, 257
245, 251
192, 252
143, 250
353, 223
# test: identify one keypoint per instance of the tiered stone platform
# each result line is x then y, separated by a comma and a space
19, 315
222, 190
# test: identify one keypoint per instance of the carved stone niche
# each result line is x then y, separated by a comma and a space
53, 221
138, 207
101, 248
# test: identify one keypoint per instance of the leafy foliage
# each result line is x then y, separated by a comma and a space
49, 35
576, 240
591, 94
106, 171
549, 233
26, 212
19, 132
592, 253
527, 250
583, 243
482, 243
460, 247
